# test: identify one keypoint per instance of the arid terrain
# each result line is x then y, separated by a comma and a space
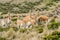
29, 19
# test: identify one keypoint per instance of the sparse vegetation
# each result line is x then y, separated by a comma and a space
23, 30
15, 29
50, 4
53, 24
4, 29
54, 36
40, 30
2, 38
8, 7
14, 19
45, 7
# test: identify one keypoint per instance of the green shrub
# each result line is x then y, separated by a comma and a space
55, 0
3, 29
15, 29
50, 4
53, 20
1, 17
40, 30
50, 37
23, 30
2, 38
45, 8
53, 25
56, 33
14, 19
3, 11
54, 36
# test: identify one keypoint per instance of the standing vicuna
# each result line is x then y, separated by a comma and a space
20, 23
29, 21
42, 19
8, 19
3, 23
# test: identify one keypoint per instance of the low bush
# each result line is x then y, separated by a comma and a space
23, 30
3, 29
50, 4
53, 25
14, 19
55, 0
45, 8
15, 29
54, 36
2, 38
1, 17
40, 30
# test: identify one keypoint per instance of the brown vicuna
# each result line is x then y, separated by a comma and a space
42, 19
29, 21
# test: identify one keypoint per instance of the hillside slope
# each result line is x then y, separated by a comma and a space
23, 8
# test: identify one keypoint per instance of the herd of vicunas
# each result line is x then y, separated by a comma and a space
25, 22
